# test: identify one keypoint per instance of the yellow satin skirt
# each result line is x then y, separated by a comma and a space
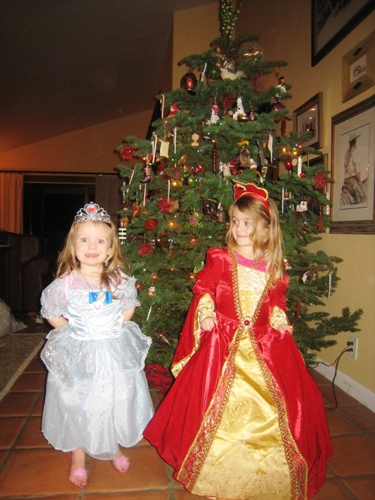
247, 458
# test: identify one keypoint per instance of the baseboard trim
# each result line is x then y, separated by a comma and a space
347, 384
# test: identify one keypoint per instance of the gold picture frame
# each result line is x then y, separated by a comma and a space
309, 117
358, 68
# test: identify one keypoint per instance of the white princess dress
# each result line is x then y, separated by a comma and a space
97, 394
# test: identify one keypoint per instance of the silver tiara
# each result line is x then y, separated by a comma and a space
92, 211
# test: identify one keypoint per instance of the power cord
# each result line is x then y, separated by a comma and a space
336, 363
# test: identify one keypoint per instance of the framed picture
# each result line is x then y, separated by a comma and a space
353, 162
309, 118
332, 21
358, 68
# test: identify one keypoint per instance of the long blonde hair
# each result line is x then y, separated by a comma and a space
111, 272
268, 244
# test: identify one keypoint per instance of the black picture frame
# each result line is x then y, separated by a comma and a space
329, 27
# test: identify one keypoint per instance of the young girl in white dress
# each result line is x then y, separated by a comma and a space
97, 396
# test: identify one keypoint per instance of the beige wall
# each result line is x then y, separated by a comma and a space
284, 28
193, 31
86, 150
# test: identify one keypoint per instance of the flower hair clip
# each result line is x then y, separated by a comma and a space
92, 211
251, 190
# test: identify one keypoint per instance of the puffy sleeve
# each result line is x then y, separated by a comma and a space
278, 303
54, 300
205, 287
129, 293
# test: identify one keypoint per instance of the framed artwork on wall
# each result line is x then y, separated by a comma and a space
332, 21
358, 68
309, 118
353, 163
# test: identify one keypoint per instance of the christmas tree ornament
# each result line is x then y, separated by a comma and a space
253, 52
145, 249
299, 165
136, 209
165, 205
240, 114
203, 72
244, 155
281, 86
320, 181
147, 173
151, 224
227, 72
302, 207
214, 156
173, 111
189, 82
164, 148
126, 152
228, 14
122, 225
195, 142
227, 102
214, 114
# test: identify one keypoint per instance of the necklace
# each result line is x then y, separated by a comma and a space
97, 298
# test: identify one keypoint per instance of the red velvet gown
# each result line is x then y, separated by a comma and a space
244, 419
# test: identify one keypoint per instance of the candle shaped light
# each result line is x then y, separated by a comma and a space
169, 189
282, 200
144, 194
203, 72
162, 100
175, 140
154, 146
299, 165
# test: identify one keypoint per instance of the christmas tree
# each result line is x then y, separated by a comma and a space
222, 124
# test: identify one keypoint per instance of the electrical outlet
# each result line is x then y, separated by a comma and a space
353, 343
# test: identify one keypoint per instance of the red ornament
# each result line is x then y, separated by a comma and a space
145, 249
302, 175
189, 82
127, 152
227, 102
151, 224
320, 181
165, 205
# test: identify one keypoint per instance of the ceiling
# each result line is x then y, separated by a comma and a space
71, 64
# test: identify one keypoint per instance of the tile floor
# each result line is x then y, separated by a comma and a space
31, 469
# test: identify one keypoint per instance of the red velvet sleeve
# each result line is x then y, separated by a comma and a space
207, 281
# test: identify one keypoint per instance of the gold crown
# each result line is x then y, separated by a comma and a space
92, 211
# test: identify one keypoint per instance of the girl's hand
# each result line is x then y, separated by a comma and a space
285, 328
208, 323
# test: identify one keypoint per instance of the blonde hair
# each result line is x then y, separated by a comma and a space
267, 243
111, 272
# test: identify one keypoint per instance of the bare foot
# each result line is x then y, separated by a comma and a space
78, 472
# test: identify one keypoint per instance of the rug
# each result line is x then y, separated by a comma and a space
16, 352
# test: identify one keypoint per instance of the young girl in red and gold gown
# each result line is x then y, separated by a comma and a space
244, 419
